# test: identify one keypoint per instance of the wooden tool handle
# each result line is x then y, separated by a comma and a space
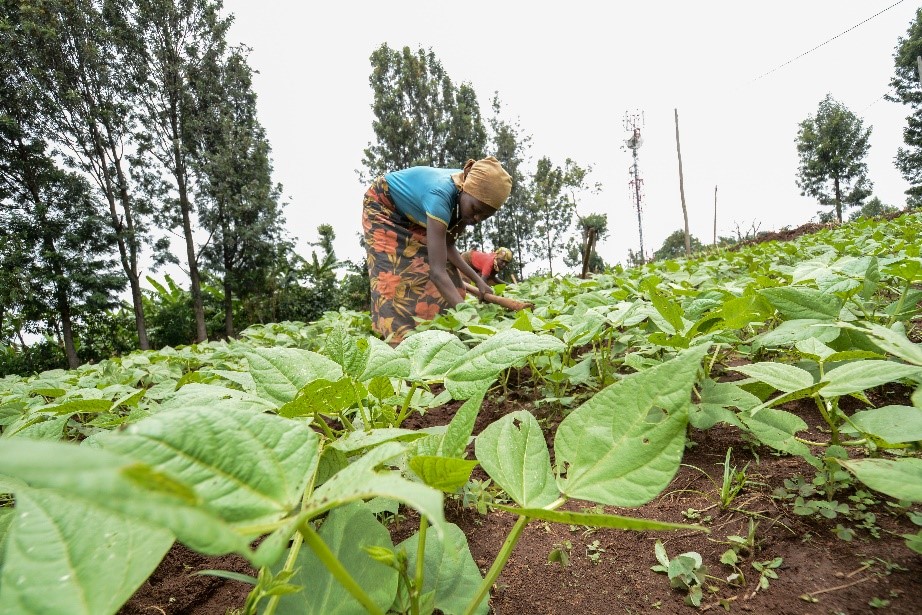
506, 302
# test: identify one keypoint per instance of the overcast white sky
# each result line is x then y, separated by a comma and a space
568, 72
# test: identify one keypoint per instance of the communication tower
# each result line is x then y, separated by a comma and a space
633, 122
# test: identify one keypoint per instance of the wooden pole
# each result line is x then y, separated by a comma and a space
678, 150
715, 214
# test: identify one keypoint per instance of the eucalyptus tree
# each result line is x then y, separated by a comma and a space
513, 224
174, 41
239, 204
68, 61
832, 146
52, 237
553, 191
906, 90
421, 116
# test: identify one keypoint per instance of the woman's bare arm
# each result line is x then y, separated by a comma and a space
437, 244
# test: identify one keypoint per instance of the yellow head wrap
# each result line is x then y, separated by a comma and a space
504, 254
485, 180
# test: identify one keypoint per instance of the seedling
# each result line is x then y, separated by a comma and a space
767, 571
685, 571
560, 554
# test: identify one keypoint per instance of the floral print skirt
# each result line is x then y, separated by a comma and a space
398, 267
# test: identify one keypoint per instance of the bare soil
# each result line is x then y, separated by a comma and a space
609, 570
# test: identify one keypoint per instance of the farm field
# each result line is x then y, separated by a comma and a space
737, 432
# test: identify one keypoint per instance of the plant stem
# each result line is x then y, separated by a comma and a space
366, 418
339, 572
406, 405
295, 547
420, 560
899, 303
498, 564
834, 429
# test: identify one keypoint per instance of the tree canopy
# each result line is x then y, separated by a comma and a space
832, 146
905, 84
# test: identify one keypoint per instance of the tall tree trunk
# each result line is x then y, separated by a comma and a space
128, 257
587, 251
228, 305
179, 172
838, 200
129, 252
228, 276
67, 332
175, 86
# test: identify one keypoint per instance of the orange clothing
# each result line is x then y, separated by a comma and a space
482, 262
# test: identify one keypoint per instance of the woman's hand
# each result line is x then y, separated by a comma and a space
483, 287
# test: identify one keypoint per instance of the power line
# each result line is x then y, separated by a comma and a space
826, 42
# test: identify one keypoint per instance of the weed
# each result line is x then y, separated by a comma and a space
594, 551
767, 571
733, 482
685, 571
560, 554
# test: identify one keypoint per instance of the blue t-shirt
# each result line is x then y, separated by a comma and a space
424, 192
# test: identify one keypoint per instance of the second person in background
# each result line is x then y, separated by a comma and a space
489, 264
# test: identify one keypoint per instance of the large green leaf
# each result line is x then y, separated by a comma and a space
459, 431
444, 473
781, 376
122, 485
894, 342
791, 331
478, 367
898, 478
80, 405
384, 361
624, 445
894, 424
70, 557
281, 372
212, 394
514, 453
802, 302
358, 440
351, 353
861, 375
248, 467
777, 429
449, 570
431, 354
347, 531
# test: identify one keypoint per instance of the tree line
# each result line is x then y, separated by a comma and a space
130, 126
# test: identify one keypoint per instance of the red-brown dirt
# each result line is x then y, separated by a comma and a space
609, 570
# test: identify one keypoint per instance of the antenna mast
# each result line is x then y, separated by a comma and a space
633, 121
